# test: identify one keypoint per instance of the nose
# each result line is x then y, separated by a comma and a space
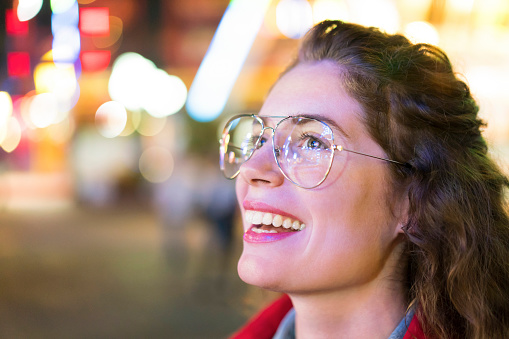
261, 169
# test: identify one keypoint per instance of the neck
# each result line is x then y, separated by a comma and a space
371, 312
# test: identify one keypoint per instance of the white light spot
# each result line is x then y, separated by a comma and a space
12, 135
329, 10
43, 109
166, 94
111, 119
5, 108
422, 32
294, 17
27, 9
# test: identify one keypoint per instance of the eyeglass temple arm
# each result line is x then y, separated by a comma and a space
406, 164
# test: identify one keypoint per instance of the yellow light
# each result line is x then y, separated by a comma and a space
422, 32
61, 132
59, 79
464, 6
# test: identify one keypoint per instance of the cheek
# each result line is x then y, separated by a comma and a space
240, 190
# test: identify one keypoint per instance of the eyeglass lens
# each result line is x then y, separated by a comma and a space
303, 147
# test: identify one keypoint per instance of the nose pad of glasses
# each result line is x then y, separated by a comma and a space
277, 151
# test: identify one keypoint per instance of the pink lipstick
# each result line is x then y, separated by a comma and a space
254, 237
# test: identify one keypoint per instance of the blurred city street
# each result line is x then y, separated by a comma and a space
117, 272
115, 220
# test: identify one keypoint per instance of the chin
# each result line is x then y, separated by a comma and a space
259, 272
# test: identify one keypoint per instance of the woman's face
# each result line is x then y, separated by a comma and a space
352, 219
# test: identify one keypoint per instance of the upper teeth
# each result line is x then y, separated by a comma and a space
276, 220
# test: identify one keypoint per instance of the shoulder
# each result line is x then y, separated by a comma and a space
265, 323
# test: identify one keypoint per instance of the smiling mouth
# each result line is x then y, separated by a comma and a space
265, 222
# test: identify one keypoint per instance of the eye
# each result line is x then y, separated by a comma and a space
312, 143
262, 142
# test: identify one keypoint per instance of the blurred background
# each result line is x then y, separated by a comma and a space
115, 221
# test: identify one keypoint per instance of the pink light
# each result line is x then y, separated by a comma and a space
95, 21
12, 24
18, 64
95, 61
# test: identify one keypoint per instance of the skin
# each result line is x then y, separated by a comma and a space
341, 270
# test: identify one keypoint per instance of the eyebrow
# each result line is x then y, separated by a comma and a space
328, 121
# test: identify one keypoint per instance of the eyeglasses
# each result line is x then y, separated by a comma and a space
303, 147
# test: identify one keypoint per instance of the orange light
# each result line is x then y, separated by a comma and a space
95, 21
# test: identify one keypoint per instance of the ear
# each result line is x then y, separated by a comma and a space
401, 212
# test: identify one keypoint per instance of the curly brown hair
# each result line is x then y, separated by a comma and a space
421, 113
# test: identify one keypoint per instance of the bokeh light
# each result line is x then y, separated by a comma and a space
43, 109
111, 119
95, 61
330, 10
156, 164
225, 57
139, 85
166, 94
62, 131
5, 107
27, 9
69, 18
60, 80
12, 135
464, 6
95, 21
294, 17
149, 125
61, 6
13, 26
129, 78
422, 32
381, 13
116, 29
18, 64
66, 44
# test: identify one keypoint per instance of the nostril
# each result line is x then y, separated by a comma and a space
259, 181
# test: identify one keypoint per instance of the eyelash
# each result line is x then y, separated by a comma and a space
305, 136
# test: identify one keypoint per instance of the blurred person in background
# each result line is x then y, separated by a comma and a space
368, 197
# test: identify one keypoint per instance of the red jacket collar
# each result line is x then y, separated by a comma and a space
264, 324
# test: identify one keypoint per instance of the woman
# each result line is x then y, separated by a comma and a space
373, 205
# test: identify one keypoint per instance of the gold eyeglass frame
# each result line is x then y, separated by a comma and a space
334, 147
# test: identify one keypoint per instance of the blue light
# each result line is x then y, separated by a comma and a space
69, 18
66, 45
227, 52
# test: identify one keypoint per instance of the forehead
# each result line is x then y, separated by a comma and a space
315, 89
